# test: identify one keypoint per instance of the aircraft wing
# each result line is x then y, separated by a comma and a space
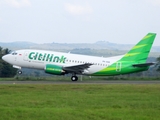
77, 68
143, 64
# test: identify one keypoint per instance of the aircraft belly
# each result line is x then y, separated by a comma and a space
31, 64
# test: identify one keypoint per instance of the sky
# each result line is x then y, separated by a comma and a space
79, 21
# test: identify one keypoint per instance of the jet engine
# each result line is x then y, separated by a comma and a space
54, 69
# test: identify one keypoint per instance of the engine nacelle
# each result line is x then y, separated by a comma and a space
54, 69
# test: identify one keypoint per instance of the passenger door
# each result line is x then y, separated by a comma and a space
25, 57
118, 66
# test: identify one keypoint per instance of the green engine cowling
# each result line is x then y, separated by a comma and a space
54, 69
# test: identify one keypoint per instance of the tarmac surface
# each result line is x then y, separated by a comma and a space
81, 82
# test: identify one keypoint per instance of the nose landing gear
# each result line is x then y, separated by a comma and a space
19, 72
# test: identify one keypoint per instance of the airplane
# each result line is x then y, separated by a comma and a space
59, 63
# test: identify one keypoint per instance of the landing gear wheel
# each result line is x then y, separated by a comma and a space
19, 72
74, 78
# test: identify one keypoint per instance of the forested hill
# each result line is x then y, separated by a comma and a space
70, 46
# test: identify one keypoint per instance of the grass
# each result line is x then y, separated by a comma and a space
80, 102
85, 78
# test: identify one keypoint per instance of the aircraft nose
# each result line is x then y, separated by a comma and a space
8, 58
4, 57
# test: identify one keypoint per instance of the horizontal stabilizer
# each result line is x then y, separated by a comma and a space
143, 64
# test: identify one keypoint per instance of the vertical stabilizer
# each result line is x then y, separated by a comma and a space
141, 50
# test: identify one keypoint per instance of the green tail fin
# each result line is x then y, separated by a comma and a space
141, 50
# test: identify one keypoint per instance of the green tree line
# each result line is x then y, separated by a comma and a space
6, 70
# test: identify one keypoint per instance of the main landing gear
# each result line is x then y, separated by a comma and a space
74, 78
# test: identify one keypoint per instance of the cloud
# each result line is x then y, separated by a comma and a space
75, 9
17, 3
154, 2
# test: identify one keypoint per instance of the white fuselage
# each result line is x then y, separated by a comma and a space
38, 59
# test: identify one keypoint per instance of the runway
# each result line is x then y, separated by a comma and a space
81, 82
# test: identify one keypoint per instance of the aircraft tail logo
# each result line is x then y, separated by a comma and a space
141, 50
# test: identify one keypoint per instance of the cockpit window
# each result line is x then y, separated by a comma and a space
13, 53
